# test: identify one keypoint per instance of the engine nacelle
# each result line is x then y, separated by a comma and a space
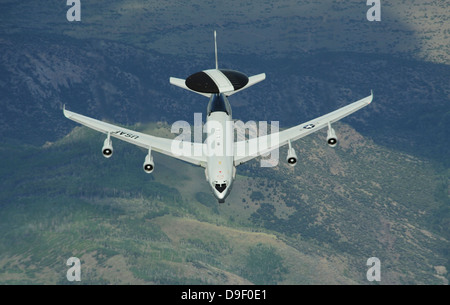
291, 157
331, 137
107, 149
148, 165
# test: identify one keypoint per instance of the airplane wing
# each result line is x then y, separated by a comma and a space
158, 144
252, 148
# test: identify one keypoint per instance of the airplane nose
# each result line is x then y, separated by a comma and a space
220, 189
220, 196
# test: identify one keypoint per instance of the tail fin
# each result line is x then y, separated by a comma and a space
215, 48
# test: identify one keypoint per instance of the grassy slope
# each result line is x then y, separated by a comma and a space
346, 205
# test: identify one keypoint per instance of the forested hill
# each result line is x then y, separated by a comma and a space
315, 224
382, 192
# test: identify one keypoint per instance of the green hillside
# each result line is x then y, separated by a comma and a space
415, 29
316, 223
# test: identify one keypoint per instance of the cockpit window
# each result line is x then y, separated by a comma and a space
221, 187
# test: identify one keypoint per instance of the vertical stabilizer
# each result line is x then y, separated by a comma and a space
215, 48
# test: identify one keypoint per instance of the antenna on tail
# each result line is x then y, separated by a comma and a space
215, 45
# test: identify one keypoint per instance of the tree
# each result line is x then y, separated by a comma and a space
264, 266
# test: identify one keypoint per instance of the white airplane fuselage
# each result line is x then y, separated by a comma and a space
220, 170
218, 156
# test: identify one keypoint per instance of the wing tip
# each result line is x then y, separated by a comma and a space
65, 112
371, 96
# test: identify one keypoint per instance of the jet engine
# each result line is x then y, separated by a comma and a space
107, 149
292, 156
148, 165
331, 137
